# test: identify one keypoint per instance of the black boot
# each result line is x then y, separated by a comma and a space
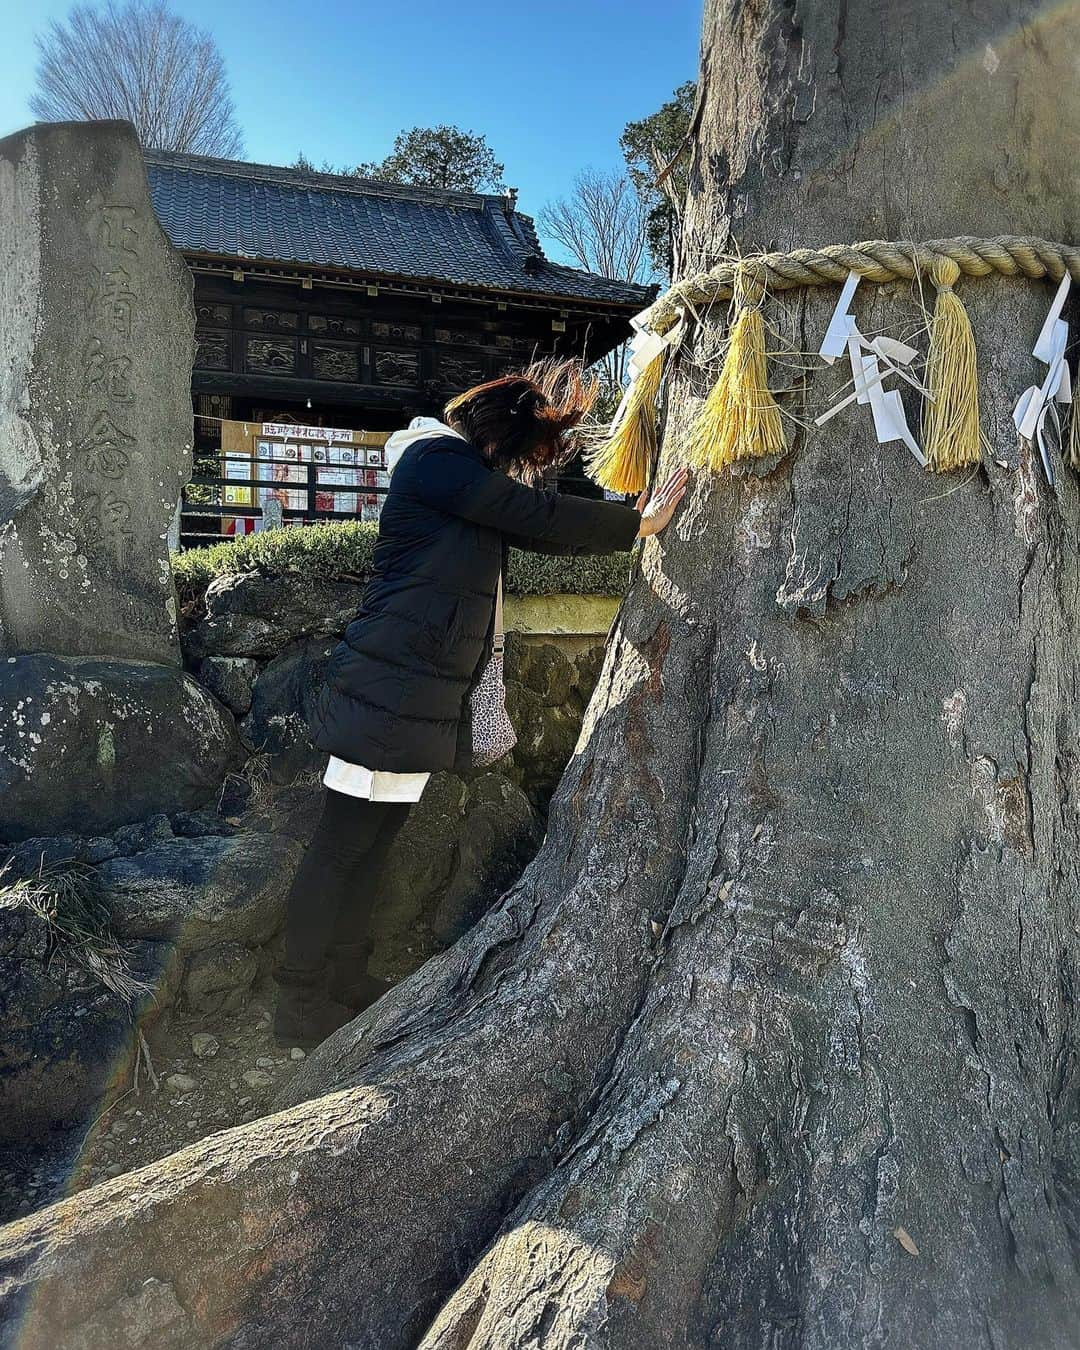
305, 1014
350, 982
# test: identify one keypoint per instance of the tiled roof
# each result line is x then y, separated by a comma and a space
254, 211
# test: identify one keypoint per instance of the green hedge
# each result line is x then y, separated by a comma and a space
344, 549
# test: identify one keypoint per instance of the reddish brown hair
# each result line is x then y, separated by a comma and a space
521, 420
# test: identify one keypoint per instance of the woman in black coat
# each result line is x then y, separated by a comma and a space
394, 705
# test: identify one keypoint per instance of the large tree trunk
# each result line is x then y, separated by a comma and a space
775, 1044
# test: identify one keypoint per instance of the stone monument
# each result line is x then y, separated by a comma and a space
97, 334
99, 725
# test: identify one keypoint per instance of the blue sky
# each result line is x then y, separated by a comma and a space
550, 84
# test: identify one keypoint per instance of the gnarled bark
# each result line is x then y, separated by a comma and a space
776, 1041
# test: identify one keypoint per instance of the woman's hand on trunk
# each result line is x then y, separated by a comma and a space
657, 509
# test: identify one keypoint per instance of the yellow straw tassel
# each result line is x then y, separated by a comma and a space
623, 458
951, 437
740, 418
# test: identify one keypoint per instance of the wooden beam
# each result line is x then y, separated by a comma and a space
275, 387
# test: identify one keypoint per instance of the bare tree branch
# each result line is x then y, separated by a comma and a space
142, 63
603, 225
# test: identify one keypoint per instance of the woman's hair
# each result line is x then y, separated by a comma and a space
521, 420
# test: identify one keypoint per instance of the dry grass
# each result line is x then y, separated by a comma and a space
65, 898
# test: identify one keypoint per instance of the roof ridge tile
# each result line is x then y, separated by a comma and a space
337, 182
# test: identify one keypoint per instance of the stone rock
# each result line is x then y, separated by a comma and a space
422, 857
218, 979
198, 824
202, 892
498, 837
255, 614
257, 1078
297, 1053
587, 667
463, 844
181, 1082
95, 420
29, 855
204, 1045
88, 745
67, 1042
47, 851
541, 667
230, 678
140, 835
546, 740
277, 723
291, 809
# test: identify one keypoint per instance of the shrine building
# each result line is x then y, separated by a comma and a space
343, 302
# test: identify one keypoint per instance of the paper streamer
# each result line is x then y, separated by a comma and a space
1036, 403
871, 362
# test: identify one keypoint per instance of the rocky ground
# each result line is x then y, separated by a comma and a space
193, 914
206, 1077
185, 909
209, 1072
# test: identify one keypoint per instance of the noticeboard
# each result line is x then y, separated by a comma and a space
311, 471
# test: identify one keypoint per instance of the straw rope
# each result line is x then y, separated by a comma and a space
877, 260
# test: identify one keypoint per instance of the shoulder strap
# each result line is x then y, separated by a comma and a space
498, 644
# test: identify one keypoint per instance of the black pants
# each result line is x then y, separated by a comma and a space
336, 887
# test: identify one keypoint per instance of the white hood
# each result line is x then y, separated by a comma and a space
417, 430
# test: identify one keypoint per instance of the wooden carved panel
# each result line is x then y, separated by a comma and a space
207, 313
397, 367
269, 356
460, 372
397, 332
335, 363
271, 320
459, 337
212, 350
333, 326
525, 345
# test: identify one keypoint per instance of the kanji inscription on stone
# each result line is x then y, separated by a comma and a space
97, 334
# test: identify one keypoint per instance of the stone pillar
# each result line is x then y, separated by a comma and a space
96, 349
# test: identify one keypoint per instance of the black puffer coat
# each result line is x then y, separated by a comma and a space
397, 683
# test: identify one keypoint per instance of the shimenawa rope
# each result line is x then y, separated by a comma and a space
879, 260
739, 418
